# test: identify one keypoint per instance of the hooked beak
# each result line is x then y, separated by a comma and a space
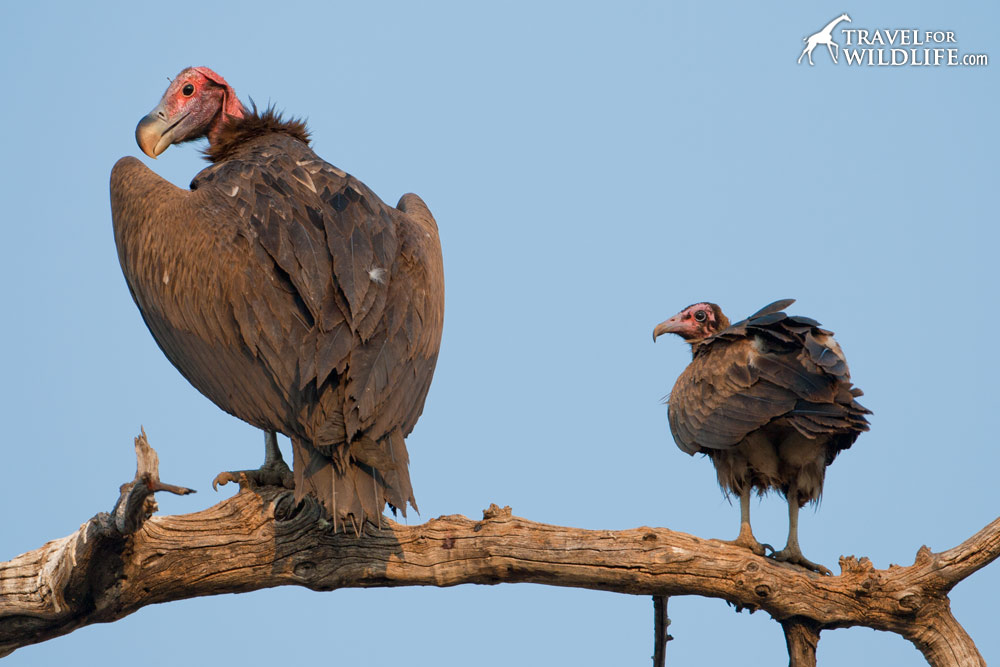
156, 131
673, 325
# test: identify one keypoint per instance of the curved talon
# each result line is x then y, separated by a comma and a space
274, 472
767, 546
224, 478
268, 475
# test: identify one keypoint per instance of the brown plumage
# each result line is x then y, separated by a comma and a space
770, 401
286, 292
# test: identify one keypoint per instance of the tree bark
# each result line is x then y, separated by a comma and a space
118, 563
801, 637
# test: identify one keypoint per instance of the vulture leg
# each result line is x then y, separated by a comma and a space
746, 538
792, 553
274, 472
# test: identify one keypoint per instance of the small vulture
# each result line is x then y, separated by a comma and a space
770, 401
286, 292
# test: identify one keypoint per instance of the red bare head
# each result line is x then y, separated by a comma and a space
695, 323
197, 104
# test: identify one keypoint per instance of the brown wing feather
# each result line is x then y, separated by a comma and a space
720, 398
294, 298
764, 370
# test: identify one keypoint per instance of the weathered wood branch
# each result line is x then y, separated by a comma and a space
261, 538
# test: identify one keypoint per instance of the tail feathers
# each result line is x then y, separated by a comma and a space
397, 474
357, 481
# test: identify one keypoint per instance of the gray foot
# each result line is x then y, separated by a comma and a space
267, 475
794, 556
746, 540
274, 472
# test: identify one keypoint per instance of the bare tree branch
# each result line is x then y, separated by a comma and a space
261, 538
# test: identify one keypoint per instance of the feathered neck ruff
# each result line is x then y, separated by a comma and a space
237, 131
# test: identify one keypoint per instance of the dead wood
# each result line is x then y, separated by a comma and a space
802, 638
118, 563
660, 624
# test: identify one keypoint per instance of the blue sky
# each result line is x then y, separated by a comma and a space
593, 169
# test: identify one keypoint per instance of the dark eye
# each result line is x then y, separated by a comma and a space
700, 315
188, 90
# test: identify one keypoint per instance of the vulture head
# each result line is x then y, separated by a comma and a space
198, 102
695, 323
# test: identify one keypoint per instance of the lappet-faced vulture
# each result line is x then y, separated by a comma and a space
286, 292
770, 401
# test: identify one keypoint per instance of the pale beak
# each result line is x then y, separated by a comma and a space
155, 132
673, 325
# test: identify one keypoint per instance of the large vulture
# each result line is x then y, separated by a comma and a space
286, 292
770, 401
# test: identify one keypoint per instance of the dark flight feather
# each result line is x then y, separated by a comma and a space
772, 308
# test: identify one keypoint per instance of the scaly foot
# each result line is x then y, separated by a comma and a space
274, 472
746, 540
267, 475
793, 555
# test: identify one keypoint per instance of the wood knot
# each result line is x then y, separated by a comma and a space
866, 587
285, 507
762, 591
911, 602
495, 512
649, 537
303, 569
448, 543
752, 567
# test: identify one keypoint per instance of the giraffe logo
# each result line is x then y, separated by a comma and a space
824, 36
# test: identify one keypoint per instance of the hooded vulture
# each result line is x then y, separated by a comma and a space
770, 401
286, 292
